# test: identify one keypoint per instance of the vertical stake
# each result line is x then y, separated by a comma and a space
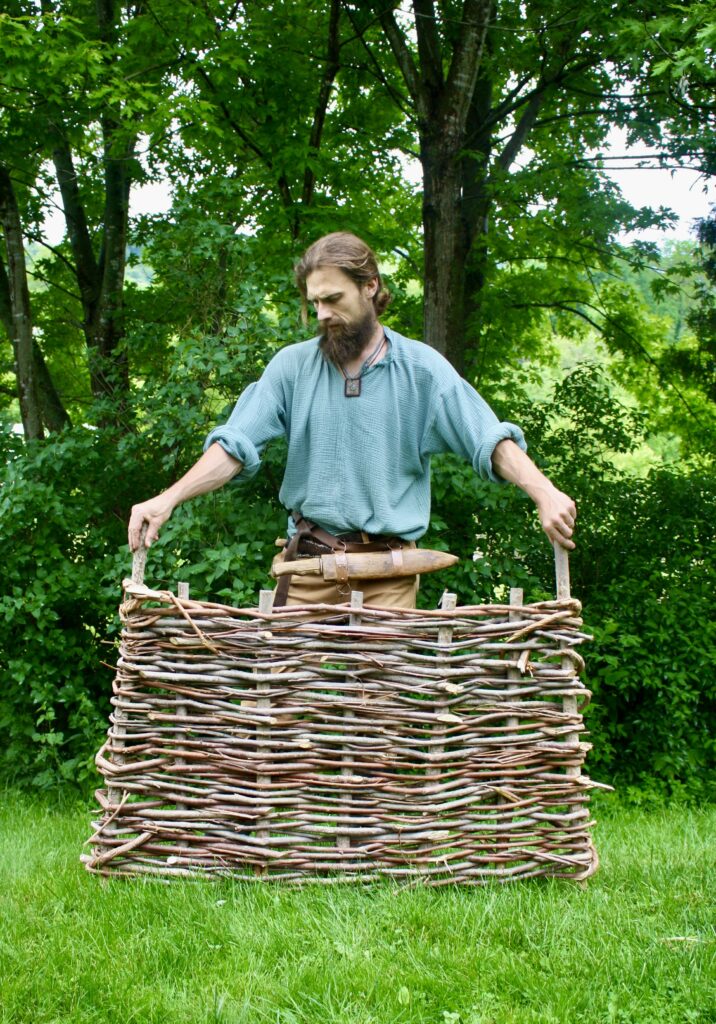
516, 600
569, 703
355, 619
139, 559
263, 703
118, 731
183, 595
447, 604
513, 675
561, 570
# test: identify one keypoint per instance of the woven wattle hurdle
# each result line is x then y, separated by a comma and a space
329, 743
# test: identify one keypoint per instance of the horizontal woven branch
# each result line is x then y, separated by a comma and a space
329, 743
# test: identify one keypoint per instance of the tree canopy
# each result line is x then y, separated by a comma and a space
274, 123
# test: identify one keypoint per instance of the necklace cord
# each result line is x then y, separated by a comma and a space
367, 364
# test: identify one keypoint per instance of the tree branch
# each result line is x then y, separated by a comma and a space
504, 109
396, 97
87, 270
466, 61
429, 50
568, 308
53, 284
522, 130
5, 302
324, 95
21, 318
404, 59
54, 250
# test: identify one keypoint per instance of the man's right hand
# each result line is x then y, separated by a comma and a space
215, 468
154, 513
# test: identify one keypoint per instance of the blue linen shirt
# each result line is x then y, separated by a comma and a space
363, 463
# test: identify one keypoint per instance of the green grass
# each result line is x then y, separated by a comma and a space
636, 945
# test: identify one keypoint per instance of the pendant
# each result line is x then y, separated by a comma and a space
351, 388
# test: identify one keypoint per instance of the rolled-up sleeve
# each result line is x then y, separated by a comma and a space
465, 424
258, 417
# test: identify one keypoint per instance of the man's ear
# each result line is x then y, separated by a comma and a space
371, 288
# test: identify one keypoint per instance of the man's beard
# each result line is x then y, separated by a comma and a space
343, 343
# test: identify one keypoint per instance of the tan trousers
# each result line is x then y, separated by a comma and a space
391, 592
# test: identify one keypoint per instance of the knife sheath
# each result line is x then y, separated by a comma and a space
342, 565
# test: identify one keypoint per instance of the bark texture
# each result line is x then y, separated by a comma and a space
53, 414
20, 315
445, 103
450, 92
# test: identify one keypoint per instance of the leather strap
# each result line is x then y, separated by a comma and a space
313, 535
341, 566
303, 529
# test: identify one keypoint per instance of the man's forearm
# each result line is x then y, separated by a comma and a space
214, 469
557, 511
515, 466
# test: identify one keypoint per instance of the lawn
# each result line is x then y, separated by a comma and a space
634, 945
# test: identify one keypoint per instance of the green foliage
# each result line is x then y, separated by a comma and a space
643, 567
57, 523
655, 321
648, 587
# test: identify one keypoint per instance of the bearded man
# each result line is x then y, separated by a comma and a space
363, 409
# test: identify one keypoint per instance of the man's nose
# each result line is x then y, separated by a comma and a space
323, 311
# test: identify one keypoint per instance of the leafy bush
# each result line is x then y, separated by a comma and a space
648, 591
58, 523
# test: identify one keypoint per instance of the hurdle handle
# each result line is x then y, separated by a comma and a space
561, 571
139, 558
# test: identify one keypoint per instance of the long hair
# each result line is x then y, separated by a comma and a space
348, 253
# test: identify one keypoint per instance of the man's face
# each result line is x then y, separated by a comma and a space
345, 311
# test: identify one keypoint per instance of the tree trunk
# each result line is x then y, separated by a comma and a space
111, 366
441, 62
52, 412
443, 94
101, 280
476, 207
445, 253
54, 415
21, 331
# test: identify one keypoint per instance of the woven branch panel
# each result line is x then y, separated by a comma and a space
340, 743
